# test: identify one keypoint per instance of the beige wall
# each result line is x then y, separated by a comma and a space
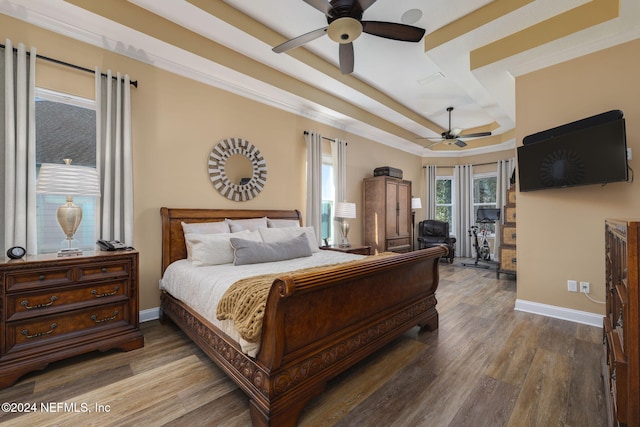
176, 122
561, 231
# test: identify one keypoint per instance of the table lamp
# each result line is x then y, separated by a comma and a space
67, 180
345, 210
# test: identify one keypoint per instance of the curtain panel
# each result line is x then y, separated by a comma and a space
430, 194
463, 176
314, 182
114, 156
19, 154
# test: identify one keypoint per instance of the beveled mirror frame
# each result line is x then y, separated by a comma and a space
217, 169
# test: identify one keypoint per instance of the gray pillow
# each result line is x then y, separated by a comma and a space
249, 252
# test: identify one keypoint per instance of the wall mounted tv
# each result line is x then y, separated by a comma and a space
588, 151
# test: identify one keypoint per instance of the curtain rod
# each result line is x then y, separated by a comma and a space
477, 164
134, 83
324, 137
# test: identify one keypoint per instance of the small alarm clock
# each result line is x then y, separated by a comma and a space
16, 252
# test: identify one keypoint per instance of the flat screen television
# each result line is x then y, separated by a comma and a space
585, 152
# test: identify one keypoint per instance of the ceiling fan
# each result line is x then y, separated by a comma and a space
345, 25
452, 136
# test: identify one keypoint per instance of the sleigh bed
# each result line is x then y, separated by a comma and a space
316, 323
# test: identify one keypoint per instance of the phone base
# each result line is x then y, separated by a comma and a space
70, 252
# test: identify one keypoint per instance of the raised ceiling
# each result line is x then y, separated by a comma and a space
398, 92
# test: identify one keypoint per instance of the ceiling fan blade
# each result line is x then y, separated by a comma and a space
300, 40
460, 143
455, 132
322, 5
393, 31
475, 135
346, 58
365, 4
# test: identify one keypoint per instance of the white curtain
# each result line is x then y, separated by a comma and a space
430, 188
463, 177
114, 156
339, 156
504, 170
19, 148
314, 182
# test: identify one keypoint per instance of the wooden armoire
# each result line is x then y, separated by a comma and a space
387, 214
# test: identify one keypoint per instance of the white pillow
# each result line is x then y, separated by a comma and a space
281, 223
206, 227
252, 224
215, 249
271, 235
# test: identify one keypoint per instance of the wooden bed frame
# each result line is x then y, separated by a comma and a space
315, 325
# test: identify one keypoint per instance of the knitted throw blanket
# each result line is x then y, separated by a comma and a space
244, 302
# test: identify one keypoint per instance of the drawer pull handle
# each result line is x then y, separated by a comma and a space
106, 319
513, 260
104, 269
26, 305
41, 277
106, 294
513, 235
25, 332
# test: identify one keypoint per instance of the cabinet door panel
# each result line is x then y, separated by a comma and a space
404, 209
391, 220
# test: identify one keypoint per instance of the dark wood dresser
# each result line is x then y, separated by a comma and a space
55, 307
387, 214
622, 322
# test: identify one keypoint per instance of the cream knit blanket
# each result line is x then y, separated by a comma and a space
244, 302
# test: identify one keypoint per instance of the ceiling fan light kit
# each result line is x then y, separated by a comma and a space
345, 25
344, 30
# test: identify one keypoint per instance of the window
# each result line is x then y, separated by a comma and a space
484, 195
328, 199
444, 201
65, 129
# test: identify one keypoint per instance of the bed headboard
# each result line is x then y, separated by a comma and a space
173, 245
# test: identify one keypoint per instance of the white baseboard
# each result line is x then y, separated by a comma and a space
563, 313
150, 314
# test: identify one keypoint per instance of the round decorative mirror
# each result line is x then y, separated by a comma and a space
237, 169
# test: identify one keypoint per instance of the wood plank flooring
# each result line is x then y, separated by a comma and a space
487, 365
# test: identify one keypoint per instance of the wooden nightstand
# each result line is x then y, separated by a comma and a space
353, 249
52, 308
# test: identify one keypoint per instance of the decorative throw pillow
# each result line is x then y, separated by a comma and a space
252, 224
270, 235
215, 249
250, 252
282, 223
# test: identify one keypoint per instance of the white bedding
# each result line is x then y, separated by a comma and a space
202, 287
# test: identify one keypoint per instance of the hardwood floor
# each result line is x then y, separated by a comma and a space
487, 365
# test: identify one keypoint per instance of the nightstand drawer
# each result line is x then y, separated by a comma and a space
37, 278
26, 305
97, 271
43, 330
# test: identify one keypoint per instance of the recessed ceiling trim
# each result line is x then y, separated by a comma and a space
145, 22
562, 25
260, 31
470, 22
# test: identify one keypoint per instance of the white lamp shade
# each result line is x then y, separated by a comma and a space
416, 203
345, 210
68, 180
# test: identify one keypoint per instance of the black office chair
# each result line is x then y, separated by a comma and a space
432, 233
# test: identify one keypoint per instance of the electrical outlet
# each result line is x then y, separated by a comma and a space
584, 287
572, 286
628, 153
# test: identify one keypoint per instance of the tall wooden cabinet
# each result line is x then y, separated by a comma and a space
387, 214
507, 250
622, 322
